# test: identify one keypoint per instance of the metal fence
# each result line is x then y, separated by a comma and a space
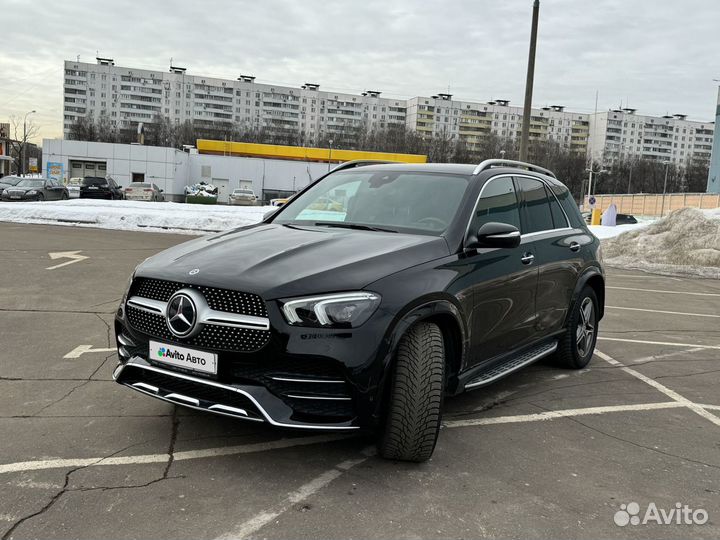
652, 204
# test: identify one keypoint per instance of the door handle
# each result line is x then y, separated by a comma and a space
527, 258
574, 246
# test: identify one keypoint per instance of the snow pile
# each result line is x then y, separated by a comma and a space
686, 242
604, 231
134, 215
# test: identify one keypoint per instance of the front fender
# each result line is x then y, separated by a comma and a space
439, 309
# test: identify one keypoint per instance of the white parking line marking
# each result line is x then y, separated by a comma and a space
72, 255
664, 389
653, 358
294, 497
664, 292
82, 349
550, 415
162, 458
666, 312
665, 343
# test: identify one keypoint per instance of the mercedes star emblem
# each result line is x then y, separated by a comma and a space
181, 315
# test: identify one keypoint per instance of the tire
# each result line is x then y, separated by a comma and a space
40, 197
415, 402
575, 351
65, 197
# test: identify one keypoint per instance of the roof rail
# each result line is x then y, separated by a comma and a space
489, 163
360, 163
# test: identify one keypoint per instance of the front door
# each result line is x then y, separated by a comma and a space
505, 280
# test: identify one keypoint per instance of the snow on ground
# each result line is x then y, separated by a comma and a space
134, 215
686, 242
603, 231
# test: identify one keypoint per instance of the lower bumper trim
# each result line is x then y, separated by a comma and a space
262, 405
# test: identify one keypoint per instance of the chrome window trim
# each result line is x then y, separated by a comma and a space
522, 235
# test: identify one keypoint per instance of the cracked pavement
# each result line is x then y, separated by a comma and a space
141, 468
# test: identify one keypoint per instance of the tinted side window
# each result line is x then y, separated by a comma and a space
537, 208
498, 203
568, 204
558, 216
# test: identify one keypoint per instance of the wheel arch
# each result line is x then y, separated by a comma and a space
594, 278
447, 315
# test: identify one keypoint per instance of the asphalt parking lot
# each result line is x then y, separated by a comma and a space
544, 453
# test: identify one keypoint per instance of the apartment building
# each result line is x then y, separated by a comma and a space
128, 96
471, 121
622, 133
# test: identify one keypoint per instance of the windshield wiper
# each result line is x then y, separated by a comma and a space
356, 226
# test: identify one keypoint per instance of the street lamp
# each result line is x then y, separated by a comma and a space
23, 153
662, 208
330, 141
591, 171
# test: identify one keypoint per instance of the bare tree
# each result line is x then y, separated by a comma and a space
22, 131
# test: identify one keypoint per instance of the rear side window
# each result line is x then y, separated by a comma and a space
498, 203
558, 216
568, 204
94, 181
538, 215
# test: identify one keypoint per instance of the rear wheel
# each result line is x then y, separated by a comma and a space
64, 196
578, 343
416, 396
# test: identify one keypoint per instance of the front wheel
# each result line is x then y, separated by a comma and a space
40, 197
416, 396
577, 344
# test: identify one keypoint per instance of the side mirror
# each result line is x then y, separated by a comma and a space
494, 235
161, 190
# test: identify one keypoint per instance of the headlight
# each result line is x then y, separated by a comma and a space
345, 310
32, 192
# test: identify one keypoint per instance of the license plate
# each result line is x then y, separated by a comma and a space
93, 187
14, 196
183, 357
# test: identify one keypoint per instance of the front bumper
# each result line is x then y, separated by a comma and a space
247, 402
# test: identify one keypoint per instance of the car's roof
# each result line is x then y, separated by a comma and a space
447, 168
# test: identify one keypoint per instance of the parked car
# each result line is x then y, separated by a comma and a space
243, 197
9, 181
144, 191
620, 219
327, 204
35, 189
73, 187
281, 201
97, 187
439, 278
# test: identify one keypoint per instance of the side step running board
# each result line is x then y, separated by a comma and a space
512, 365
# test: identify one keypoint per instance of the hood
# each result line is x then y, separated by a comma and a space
277, 261
23, 188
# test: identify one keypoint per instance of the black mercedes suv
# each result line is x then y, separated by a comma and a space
372, 295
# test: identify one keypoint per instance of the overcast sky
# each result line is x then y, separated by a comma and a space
659, 56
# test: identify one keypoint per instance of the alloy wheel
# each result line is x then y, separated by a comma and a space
586, 327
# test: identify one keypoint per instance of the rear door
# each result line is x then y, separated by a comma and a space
504, 280
557, 252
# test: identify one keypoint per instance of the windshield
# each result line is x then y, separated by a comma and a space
94, 181
10, 180
243, 192
423, 203
31, 183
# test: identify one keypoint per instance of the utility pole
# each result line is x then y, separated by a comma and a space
23, 154
662, 208
529, 84
330, 141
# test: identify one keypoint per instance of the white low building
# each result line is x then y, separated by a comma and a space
171, 169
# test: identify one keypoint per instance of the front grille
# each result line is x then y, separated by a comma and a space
217, 299
218, 338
